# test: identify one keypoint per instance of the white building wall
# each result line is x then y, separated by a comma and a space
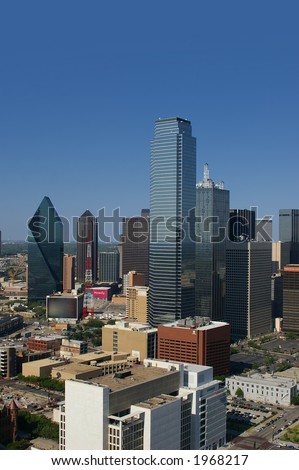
267, 391
162, 426
86, 412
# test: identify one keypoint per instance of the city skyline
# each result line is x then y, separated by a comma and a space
78, 106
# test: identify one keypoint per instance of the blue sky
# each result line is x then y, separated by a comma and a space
81, 84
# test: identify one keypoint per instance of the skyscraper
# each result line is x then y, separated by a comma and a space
248, 288
212, 212
109, 266
241, 226
289, 231
172, 197
134, 243
290, 275
87, 231
45, 252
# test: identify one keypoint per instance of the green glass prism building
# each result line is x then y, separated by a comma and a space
45, 252
172, 197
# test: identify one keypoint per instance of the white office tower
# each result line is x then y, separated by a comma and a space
158, 406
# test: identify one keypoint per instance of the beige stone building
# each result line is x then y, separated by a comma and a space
136, 303
137, 339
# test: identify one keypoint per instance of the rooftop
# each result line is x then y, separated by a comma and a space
264, 379
139, 374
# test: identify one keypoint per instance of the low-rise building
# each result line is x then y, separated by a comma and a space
40, 368
10, 323
263, 388
72, 347
45, 343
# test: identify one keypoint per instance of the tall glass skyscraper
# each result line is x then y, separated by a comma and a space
212, 213
87, 232
45, 252
172, 197
289, 231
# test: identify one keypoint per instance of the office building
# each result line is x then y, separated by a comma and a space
109, 266
72, 347
44, 343
263, 388
212, 212
248, 288
263, 230
45, 252
69, 269
134, 244
172, 205
10, 323
242, 225
290, 275
281, 255
137, 339
0, 242
196, 340
277, 295
8, 362
137, 304
159, 406
289, 231
87, 232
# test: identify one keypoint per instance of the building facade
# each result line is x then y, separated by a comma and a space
263, 388
196, 340
109, 266
69, 270
159, 406
242, 225
45, 252
248, 288
290, 309
137, 339
134, 243
289, 231
212, 212
172, 200
87, 232
8, 362
137, 304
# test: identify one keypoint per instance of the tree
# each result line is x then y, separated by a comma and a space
239, 393
295, 400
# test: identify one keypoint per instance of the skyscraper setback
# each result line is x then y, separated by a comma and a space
45, 252
172, 198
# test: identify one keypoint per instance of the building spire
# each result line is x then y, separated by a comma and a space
206, 173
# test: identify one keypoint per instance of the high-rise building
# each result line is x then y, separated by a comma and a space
0, 242
69, 267
290, 277
281, 253
242, 225
172, 200
8, 362
289, 231
109, 266
264, 228
212, 213
87, 232
45, 252
137, 303
248, 288
134, 244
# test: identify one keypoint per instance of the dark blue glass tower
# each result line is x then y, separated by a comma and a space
172, 197
212, 213
45, 252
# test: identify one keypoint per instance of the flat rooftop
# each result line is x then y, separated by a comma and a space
139, 374
260, 379
200, 323
157, 402
132, 326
